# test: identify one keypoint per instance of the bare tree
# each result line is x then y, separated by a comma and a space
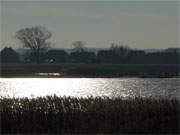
120, 50
79, 46
34, 38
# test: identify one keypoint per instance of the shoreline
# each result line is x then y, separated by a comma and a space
84, 76
74, 70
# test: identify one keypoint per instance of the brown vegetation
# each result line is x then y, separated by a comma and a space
54, 114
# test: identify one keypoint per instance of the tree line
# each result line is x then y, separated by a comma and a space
36, 39
113, 55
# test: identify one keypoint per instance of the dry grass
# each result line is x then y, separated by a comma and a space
54, 114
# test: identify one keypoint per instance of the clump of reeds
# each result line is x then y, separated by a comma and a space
54, 114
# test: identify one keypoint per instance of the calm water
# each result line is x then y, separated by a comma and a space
112, 87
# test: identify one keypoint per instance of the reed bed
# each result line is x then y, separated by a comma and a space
53, 114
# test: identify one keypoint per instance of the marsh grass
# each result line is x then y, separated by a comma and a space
52, 114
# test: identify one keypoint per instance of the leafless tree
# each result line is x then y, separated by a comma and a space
120, 50
79, 46
35, 38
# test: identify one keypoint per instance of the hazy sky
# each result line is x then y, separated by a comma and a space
138, 24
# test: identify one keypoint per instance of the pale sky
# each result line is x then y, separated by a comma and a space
138, 24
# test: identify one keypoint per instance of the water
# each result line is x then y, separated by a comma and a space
82, 87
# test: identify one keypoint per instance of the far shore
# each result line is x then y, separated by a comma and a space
85, 70
83, 76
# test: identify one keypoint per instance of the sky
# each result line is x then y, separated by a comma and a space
137, 24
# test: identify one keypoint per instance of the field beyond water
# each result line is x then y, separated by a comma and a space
90, 70
52, 114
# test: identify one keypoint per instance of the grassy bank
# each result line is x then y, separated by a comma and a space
54, 114
90, 70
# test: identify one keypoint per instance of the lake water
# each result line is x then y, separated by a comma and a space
82, 87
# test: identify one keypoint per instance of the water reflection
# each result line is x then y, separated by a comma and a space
48, 74
82, 87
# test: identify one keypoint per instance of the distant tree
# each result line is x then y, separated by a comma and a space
8, 55
105, 56
136, 57
34, 38
173, 50
56, 56
79, 46
87, 57
120, 50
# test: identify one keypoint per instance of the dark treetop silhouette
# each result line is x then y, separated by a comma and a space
8, 55
34, 38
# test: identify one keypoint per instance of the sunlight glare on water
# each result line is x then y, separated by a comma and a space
82, 87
